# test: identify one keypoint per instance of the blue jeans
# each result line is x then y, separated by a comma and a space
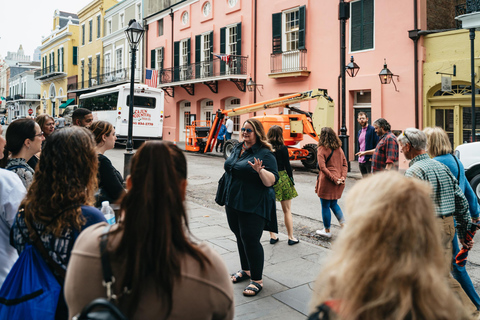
460, 274
326, 215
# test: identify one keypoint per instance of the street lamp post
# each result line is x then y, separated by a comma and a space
134, 34
343, 16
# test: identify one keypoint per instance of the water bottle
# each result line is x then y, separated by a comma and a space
108, 212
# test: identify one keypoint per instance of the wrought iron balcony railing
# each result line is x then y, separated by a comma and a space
120, 75
289, 61
53, 69
27, 96
237, 65
472, 6
468, 7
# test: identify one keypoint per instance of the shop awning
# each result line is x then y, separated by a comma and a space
65, 104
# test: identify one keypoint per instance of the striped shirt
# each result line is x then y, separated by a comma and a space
446, 194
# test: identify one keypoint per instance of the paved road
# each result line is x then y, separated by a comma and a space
206, 169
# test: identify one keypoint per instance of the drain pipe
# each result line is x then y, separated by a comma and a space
255, 52
414, 35
171, 16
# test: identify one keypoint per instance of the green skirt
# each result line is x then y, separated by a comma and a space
284, 188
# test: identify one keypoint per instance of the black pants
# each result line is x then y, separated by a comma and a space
365, 168
219, 143
248, 229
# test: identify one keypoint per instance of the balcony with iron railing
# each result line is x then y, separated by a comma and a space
469, 6
289, 64
27, 96
50, 72
204, 71
105, 79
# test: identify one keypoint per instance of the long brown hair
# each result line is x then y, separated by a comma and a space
388, 261
275, 137
155, 228
66, 176
329, 139
101, 128
259, 133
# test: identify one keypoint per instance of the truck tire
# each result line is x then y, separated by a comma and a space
475, 183
311, 161
228, 147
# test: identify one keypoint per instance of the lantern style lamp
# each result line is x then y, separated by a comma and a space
352, 68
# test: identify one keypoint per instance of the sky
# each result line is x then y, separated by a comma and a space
24, 22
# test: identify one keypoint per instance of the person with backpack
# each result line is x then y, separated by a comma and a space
12, 192
58, 205
331, 178
160, 273
24, 140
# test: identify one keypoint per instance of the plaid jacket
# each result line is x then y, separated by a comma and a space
385, 152
446, 194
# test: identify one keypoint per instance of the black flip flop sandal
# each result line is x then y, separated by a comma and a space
237, 278
256, 289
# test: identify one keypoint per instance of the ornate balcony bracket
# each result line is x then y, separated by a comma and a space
170, 91
240, 83
190, 88
212, 85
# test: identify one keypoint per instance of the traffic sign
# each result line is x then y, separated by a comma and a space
30, 111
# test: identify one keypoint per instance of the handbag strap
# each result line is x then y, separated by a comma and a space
458, 169
108, 278
38, 244
330, 156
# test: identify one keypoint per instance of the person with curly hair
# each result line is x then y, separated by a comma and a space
250, 173
58, 205
389, 262
331, 178
285, 187
24, 140
160, 272
110, 181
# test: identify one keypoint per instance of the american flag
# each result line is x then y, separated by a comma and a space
224, 57
151, 78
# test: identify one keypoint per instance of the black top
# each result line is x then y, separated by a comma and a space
283, 160
245, 190
110, 181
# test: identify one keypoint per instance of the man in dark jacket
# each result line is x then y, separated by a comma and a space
367, 140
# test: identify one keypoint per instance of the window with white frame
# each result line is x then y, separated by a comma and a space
118, 56
290, 29
106, 62
205, 55
90, 30
121, 20
109, 27
160, 27
159, 58
231, 47
139, 12
184, 59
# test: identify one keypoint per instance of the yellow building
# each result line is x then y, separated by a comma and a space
59, 61
450, 109
90, 56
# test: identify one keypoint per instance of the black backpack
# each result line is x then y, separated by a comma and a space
101, 308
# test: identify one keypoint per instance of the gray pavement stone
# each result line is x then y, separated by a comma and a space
281, 251
210, 232
293, 273
225, 243
266, 308
297, 298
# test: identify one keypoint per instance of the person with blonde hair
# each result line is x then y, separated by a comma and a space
331, 178
249, 199
388, 264
439, 148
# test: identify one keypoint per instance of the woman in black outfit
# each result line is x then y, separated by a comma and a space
284, 188
110, 181
250, 173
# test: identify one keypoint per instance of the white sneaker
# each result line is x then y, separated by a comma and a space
323, 233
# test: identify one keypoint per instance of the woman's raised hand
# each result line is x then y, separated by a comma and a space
257, 165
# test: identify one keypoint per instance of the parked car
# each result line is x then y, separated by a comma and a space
469, 154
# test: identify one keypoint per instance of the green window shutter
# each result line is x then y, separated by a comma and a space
368, 19
356, 26
198, 55
58, 59
176, 60
162, 53
53, 61
301, 29
63, 67
75, 56
277, 32
152, 59
98, 69
239, 39
83, 35
188, 51
90, 26
99, 22
222, 48
211, 44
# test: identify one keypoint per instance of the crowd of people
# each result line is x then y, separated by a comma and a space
52, 183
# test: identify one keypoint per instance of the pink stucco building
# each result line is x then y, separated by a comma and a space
287, 46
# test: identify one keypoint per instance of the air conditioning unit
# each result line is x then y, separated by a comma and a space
94, 82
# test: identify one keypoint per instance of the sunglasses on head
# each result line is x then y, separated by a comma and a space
248, 130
